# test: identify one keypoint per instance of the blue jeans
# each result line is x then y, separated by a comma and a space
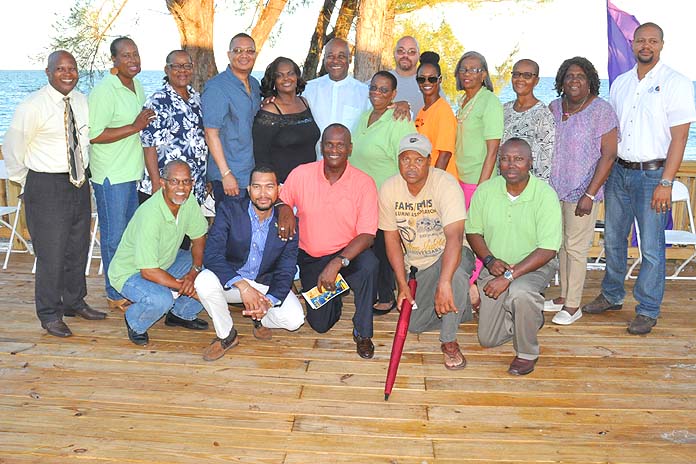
628, 194
151, 301
116, 205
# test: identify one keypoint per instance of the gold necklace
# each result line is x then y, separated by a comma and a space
568, 113
466, 107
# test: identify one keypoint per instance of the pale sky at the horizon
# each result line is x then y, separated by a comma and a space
548, 33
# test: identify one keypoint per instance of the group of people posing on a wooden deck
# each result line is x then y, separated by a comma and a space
337, 176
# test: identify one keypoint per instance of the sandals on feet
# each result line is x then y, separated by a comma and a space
453, 356
382, 312
121, 304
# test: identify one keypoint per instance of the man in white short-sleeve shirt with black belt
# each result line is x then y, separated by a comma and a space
655, 106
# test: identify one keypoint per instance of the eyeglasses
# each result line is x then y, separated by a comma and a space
431, 79
179, 67
382, 90
470, 70
176, 182
240, 50
524, 75
409, 52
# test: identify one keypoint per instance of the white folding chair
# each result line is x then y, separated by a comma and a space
8, 211
674, 237
94, 241
598, 264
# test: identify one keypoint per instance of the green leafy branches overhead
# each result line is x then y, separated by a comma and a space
84, 33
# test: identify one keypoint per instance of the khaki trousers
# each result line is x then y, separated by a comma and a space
517, 313
424, 318
577, 240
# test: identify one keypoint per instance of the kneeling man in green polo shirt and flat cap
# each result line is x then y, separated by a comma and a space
150, 269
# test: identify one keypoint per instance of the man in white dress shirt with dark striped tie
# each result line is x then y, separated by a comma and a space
46, 151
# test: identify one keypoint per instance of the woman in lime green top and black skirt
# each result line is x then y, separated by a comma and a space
375, 152
479, 129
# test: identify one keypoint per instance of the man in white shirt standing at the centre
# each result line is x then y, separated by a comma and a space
655, 106
336, 97
339, 98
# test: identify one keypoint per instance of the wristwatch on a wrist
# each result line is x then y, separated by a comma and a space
508, 275
197, 268
488, 260
666, 182
345, 262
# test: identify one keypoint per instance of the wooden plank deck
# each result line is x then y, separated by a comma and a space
598, 394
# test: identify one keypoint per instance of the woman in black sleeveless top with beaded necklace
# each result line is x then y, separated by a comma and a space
285, 134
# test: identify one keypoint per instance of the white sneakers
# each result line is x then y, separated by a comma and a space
563, 317
551, 307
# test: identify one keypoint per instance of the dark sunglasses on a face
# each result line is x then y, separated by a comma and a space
431, 79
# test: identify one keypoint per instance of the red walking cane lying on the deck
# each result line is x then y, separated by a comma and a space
400, 335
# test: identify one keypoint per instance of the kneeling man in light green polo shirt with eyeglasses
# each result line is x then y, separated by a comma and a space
150, 269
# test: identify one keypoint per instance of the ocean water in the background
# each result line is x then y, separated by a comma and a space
15, 85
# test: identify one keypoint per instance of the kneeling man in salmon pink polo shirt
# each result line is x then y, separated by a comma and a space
337, 214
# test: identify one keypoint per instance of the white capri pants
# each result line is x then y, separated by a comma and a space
214, 298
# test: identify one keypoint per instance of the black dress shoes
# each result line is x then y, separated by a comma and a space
85, 313
521, 366
196, 324
364, 346
139, 339
57, 328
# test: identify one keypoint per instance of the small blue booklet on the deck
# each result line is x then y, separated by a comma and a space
317, 299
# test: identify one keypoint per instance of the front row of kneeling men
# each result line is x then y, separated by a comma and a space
514, 226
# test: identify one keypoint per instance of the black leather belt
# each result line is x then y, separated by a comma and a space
651, 165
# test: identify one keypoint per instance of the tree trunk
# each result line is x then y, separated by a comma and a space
268, 19
372, 16
388, 37
194, 19
346, 16
316, 45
